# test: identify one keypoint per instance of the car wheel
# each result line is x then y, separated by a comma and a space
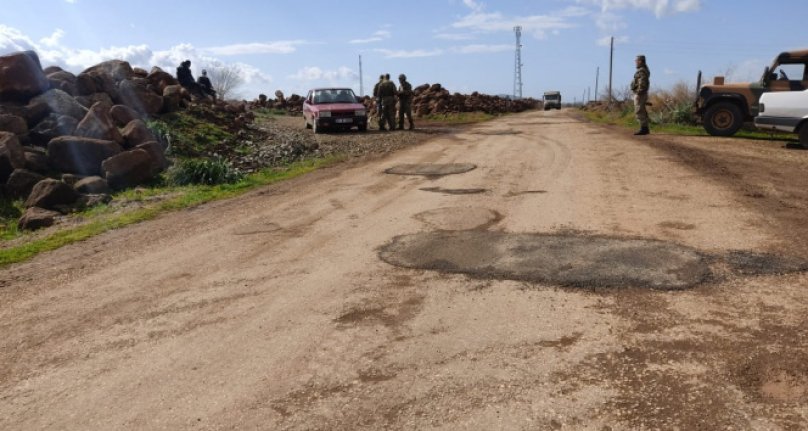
363, 127
316, 129
804, 135
308, 126
723, 119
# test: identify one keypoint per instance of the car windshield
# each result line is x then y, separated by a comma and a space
334, 96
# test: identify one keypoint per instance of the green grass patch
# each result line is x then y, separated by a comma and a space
105, 217
189, 135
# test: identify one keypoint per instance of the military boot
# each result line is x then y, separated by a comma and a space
642, 131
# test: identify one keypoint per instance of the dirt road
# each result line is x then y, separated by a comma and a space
535, 272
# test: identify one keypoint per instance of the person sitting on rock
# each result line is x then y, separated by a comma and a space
186, 79
205, 85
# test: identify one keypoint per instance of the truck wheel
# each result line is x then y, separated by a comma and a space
804, 135
723, 119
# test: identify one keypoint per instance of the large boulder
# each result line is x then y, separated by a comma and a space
92, 186
36, 159
89, 100
80, 155
98, 124
88, 84
173, 96
161, 79
138, 96
158, 158
128, 169
13, 124
118, 70
36, 218
11, 155
52, 69
51, 127
61, 103
51, 194
64, 81
21, 182
140, 73
136, 133
123, 115
21, 77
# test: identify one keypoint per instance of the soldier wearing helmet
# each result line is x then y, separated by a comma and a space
379, 115
387, 92
404, 102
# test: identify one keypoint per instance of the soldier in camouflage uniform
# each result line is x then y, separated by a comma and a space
404, 102
387, 92
378, 99
639, 86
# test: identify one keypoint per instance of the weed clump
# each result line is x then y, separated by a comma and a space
204, 172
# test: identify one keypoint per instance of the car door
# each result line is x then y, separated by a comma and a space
307, 107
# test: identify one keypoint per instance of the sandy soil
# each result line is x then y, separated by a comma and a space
576, 277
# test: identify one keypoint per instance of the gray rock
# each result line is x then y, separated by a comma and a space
64, 81
93, 199
118, 70
72, 179
36, 161
80, 155
51, 127
21, 182
11, 155
128, 169
160, 79
139, 97
157, 155
98, 124
61, 103
173, 96
36, 218
92, 185
21, 77
50, 194
89, 100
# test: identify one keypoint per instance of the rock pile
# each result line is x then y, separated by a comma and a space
66, 140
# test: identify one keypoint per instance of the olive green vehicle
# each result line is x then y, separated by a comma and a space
723, 108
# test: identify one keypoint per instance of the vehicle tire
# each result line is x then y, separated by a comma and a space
723, 119
316, 129
804, 135
363, 127
308, 126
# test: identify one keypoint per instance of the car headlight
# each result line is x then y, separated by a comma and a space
325, 114
360, 113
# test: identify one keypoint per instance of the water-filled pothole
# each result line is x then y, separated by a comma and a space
431, 169
454, 191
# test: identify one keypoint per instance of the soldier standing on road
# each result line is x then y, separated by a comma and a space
387, 92
640, 86
404, 102
378, 99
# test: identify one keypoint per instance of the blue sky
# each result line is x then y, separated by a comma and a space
466, 45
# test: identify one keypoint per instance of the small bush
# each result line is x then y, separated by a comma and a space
203, 171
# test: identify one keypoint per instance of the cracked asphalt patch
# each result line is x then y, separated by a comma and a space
568, 260
431, 169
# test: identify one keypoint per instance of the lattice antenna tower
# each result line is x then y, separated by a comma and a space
517, 70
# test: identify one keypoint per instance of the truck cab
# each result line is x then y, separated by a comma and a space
552, 99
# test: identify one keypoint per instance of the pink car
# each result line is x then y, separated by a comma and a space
334, 108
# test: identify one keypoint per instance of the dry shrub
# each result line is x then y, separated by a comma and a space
673, 105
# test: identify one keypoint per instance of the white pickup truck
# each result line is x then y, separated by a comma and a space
786, 111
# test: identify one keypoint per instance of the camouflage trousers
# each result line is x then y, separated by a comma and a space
388, 113
404, 109
640, 111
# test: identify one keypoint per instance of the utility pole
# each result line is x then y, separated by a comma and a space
597, 77
588, 94
361, 87
611, 63
517, 73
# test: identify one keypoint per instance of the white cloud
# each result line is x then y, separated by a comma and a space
537, 25
71, 1
658, 7
376, 37
52, 52
473, 5
390, 53
455, 36
480, 48
609, 22
279, 47
342, 75
607, 40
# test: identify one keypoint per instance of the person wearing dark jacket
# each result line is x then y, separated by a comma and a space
206, 85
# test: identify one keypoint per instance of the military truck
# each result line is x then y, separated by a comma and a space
552, 99
723, 108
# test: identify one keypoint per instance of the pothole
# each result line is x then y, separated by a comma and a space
525, 192
496, 132
257, 228
431, 169
459, 218
571, 260
454, 191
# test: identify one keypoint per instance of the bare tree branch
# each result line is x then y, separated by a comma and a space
225, 80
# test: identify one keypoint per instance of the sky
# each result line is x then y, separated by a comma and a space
465, 45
